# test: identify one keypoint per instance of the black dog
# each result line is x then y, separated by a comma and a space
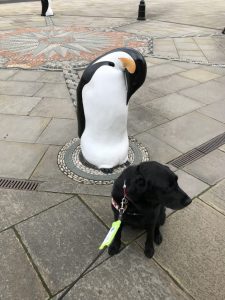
150, 188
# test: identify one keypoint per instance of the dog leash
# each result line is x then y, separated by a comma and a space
106, 243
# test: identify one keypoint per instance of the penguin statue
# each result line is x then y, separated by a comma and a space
46, 8
103, 94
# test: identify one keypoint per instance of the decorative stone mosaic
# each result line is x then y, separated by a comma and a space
44, 46
71, 163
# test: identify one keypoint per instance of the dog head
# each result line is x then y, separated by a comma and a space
153, 183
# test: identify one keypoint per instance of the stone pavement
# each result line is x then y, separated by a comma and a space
48, 236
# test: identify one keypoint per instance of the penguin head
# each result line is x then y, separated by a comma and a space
132, 63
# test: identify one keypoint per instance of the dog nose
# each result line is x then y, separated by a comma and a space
187, 201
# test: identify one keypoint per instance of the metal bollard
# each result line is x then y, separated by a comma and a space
141, 11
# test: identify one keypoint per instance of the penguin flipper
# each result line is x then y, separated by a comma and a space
86, 77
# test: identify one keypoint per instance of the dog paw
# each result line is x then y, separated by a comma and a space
158, 238
149, 252
114, 249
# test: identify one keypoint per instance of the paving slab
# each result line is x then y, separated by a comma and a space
173, 106
53, 90
18, 160
27, 75
59, 132
5, 74
101, 206
18, 279
70, 186
162, 70
55, 108
193, 250
17, 105
144, 95
18, 88
157, 149
207, 93
191, 185
172, 84
52, 77
141, 119
128, 275
16, 206
199, 75
188, 132
62, 241
209, 168
21, 128
215, 197
215, 110
48, 167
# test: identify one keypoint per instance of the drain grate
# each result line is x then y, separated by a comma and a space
18, 184
186, 158
198, 152
212, 144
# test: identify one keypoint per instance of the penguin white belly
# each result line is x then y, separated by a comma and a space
104, 142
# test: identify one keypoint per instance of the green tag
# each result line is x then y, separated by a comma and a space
110, 235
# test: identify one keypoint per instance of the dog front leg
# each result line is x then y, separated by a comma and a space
149, 247
114, 248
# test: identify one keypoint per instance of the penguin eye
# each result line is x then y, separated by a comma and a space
111, 64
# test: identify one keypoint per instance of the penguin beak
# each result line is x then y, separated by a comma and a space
128, 64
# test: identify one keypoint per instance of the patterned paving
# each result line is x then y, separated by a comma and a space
35, 47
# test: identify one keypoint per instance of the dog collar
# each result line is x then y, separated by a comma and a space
116, 206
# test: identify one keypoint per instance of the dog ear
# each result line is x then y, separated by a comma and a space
138, 185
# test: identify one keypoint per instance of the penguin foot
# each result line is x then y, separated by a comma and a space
107, 171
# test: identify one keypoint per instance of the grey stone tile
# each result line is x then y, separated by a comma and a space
215, 110
222, 148
27, 75
53, 90
141, 119
17, 105
52, 77
209, 168
58, 132
215, 196
157, 149
173, 106
54, 107
16, 206
199, 75
162, 70
172, 84
193, 250
145, 95
5, 74
70, 233
208, 92
69, 186
102, 208
128, 275
221, 79
48, 166
18, 280
191, 185
21, 128
189, 131
18, 88
18, 160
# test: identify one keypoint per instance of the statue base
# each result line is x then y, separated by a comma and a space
73, 165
